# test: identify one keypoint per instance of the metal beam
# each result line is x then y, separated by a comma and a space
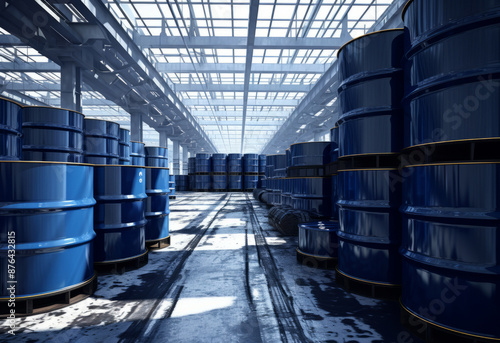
29, 66
239, 102
241, 88
164, 41
259, 114
269, 68
238, 123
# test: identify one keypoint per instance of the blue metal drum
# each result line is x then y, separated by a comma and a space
286, 192
137, 153
10, 130
280, 162
101, 145
312, 194
319, 239
251, 163
370, 226
262, 164
203, 163
334, 141
219, 182
119, 218
191, 165
192, 182
181, 182
234, 182
310, 154
156, 156
157, 204
172, 185
250, 182
219, 163
269, 166
52, 134
234, 163
370, 94
203, 182
124, 147
450, 98
451, 246
48, 208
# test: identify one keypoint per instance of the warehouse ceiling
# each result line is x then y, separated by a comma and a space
239, 67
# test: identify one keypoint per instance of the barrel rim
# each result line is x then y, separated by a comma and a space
107, 121
277, 155
335, 127
316, 256
13, 101
121, 128
451, 164
366, 281
117, 165
137, 142
370, 154
306, 177
49, 162
365, 35
54, 108
451, 141
367, 169
405, 8
154, 146
307, 143
151, 167
122, 259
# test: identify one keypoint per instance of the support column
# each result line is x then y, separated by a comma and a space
136, 127
163, 139
71, 86
184, 160
176, 157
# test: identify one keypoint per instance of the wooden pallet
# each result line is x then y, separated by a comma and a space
159, 243
122, 266
367, 288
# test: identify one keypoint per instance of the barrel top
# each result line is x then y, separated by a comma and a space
48, 162
53, 108
118, 165
277, 155
405, 8
154, 146
13, 101
107, 121
307, 143
363, 36
137, 142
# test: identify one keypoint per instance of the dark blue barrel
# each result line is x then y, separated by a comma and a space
334, 154
119, 218
203, 182
279, 175
286, 189
251, 163
370, 94
370, 226
181, 182
310, 154
234, 163
52, 134
219, 182
48, 209
203, 163
192, 182
319, 239
452, 71
262, 164
10, 130
219, 163
172, 185
191, 165
101, 145
234, 182
124, 147
334, 141
156, 156
313, 194
269, 166
157, 203
451, 246
250, 182
137, 153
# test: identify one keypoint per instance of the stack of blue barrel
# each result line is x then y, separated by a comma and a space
192, 173
235, 172
219, 172
370, 140
286, 183
124, 153
203, 171
47, 207
262, 172
158, 191
250, 171
171, 185
279, 163
451, 179
181, 182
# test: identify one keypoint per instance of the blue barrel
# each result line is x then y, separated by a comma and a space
192, 182
310, 154
203, 163
191, 165
124, 147
334, 141
234, 163
312, 194
370, 94
251, 163
454, 96
10, 130
370, 226
156, 156
219, 163
219, 182
172, 185
101, 145
319, 239
52, 134
451, 246
234, 182
157, 204
262, 164
181, 182
250, 182
279, 175
49, 209
203, 182
119, 218
137, 153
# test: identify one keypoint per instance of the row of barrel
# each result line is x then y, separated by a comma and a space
76, 195
221, 172
418, 168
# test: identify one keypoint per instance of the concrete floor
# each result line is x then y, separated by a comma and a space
228, 277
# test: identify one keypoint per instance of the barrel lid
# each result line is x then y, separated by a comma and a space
155, 146
12, 101
309, 143
405, 8
277, 155
48, 162
107, 121
137, 142
363, 36
54, 108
